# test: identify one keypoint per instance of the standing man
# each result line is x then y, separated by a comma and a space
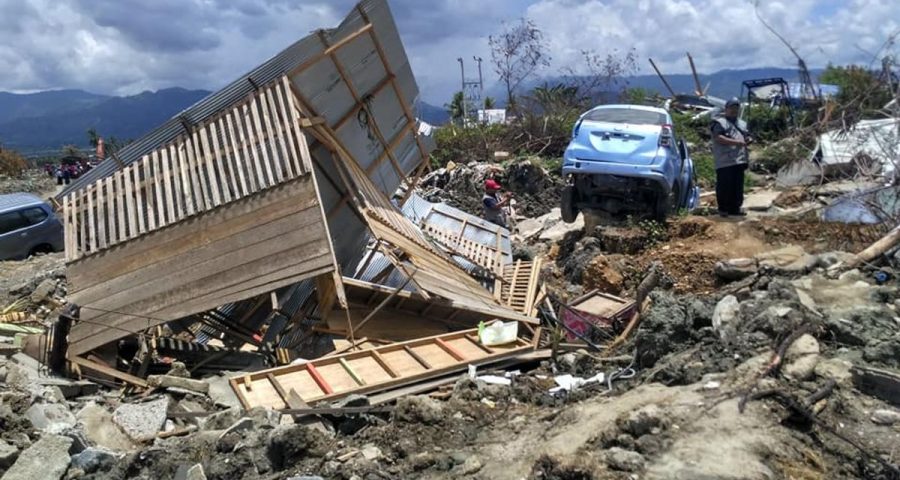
492, 204
729, 148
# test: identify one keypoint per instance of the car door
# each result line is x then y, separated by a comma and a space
15, 240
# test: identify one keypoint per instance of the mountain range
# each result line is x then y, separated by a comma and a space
51, 119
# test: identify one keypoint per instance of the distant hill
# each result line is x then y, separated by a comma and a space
432, 114
52, 119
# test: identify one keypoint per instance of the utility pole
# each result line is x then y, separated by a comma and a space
478, 60
462, 72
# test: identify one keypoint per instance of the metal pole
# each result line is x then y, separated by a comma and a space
462, 72
661, 77
480, 79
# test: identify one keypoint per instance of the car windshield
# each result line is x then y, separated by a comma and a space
626, 115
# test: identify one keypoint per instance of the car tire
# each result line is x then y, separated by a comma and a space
664, 205
567, 204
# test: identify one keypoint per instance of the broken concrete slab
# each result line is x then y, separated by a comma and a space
244, 424
50, 417
791, 259
172, 381
195, 473
725, 316
220, 391
46, 459
101, 430
43, 291
559, 230
760, 200
142, 421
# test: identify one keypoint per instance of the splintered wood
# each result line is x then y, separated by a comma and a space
370, 370
252, 146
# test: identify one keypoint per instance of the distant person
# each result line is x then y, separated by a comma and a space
66, 174
492, 204
729, 146
59, 175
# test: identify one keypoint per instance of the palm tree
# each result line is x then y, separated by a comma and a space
456, 107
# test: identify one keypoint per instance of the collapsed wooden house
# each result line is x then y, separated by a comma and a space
238, 219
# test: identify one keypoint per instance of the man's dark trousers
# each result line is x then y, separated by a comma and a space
730, 188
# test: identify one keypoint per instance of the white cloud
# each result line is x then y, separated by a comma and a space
126, 46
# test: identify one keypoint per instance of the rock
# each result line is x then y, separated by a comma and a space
220, 420
624, 460
241, 425
220, 391
50, 417
46, 459
885, 417
642, 421
832, 259
8, 454
101, 430
602, 275
43, 291
472, 465
801, 358
725, 317
559, 230
735, 269
371, 452
171, 381
306, 477
92, 459
142, 421
195, 473
418, 408
835, 368
530, 227
790, 260
354, 400
288, 444
179, 369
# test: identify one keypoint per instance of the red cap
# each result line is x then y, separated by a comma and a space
491, 184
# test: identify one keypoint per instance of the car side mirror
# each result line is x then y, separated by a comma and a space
682, 149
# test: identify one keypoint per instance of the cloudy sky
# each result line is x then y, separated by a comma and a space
127, 46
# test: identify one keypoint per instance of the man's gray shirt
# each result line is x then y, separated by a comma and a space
728, 155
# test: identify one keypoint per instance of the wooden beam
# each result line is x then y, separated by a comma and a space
107, 370
330, 50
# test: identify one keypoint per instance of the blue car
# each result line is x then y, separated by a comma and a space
625, 159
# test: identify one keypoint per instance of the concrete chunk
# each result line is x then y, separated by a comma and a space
50, 417
46, 459
171, 381
142, 421
98, 425
8, 454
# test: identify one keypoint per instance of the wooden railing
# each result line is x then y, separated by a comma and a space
246, 149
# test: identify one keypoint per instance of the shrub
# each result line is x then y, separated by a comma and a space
11, 163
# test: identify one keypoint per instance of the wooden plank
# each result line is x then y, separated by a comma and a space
417, 357
187, 179
121, 204
68, 230
220, 164
102, 234
239, 160
147, 187
260, 141
287, 119
260, 179
199, 195
167, 183
158, 188
91, 225
276, 160
112, 206
139, 205
229, 158
318, 378
206, 157
106, 370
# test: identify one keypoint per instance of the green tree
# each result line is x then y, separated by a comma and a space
456, 107
489, 103
863, 94
93, 137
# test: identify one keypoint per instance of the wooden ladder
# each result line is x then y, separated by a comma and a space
375, 369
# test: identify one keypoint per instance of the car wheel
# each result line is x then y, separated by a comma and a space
664, 205
567, 204
42, 248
